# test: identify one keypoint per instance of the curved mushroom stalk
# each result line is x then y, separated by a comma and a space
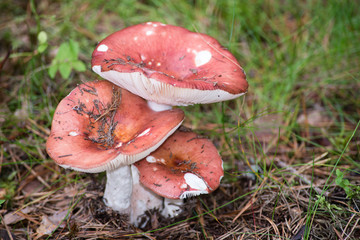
119, 189
124, 193
158, 107
142, 200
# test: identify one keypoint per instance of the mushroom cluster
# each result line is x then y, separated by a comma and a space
127, 127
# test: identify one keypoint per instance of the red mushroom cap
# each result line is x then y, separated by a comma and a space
100, 126
169, 65
185, 165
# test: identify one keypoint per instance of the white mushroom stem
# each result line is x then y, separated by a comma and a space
118, 189
124, 193
142, 200
172, 207
158, 107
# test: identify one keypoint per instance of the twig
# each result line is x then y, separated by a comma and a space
37, 176
7, 229
352, 229
302, 177
251, 201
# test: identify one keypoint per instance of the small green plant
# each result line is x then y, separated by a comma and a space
323, 203
351, 190
8, 183
66, 59
42, 39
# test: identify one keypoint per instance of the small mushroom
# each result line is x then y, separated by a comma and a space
184, 165
101, 127
169, 65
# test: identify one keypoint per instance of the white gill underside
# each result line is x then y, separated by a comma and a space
122, 159
188, 194
163, 93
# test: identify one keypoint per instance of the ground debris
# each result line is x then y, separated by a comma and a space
51, 223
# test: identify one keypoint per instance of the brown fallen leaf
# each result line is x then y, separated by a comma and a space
14, 216
50, 223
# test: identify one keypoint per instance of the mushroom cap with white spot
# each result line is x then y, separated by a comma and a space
185, 165
169, 65
100, 126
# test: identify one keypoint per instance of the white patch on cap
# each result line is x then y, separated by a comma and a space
202, 58
150, 159
142, 57
195, 182
155, 25
148, 33
119, 144
183, 186
145, 132
135, 38
162, 24
97, 69
102, 48
149, 23
73, 134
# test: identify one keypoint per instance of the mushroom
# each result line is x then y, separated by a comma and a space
184, 165
169, 65
101, 127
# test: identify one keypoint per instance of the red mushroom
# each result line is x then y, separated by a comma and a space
101, 127
169, 65
184, 165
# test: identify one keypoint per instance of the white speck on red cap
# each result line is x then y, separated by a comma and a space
195, 182
202, 58
102, 48
145, 132
73, 133
151, 159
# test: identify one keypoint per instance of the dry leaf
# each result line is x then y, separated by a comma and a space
49, 224
13, 217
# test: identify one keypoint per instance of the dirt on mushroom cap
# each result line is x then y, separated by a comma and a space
100, 126
184, 165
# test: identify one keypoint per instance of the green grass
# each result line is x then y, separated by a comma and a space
299, 56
